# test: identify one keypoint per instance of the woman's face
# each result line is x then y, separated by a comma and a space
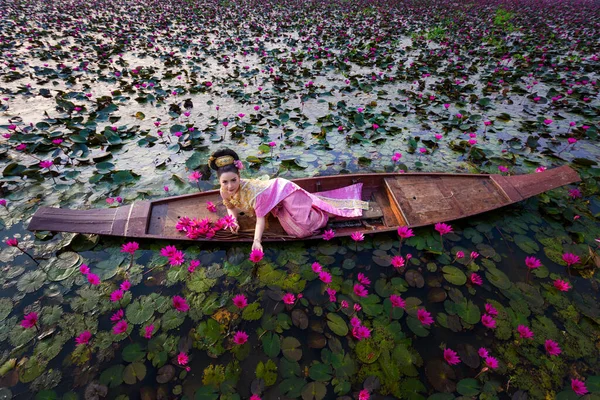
230, 182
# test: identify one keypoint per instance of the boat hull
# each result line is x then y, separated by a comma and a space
411, 199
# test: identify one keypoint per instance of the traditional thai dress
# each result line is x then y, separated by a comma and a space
299, 212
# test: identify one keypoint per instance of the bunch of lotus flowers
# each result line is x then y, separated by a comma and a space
195, 228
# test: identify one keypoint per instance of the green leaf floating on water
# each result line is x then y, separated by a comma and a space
252, 312
134, 373
526, 244
172, 319
454, 275
320, 372
468, 311
417, 327
31, 281
337, 324
134, 352
63, 266
314, 391
292, 387
140, 310
206, 393
113, 376
468, 387
6, 306
271, 344
498, 278
290, 348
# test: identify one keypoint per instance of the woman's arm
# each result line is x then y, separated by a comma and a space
258, 232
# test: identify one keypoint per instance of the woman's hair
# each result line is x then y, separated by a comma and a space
212, 162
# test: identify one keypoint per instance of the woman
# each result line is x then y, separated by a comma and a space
300, 213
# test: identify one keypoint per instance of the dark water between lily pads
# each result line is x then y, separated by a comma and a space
340, 87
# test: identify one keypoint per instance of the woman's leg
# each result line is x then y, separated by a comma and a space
298, 217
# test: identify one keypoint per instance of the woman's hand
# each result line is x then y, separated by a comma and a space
256, 245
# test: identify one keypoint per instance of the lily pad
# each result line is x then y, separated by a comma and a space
271, 344
468, 387
314, 391
454, 275
337, 324
63, 266
498, 278
134, 373
6, 306
31, 281
414, 278
290, 348
140, 311
133, 352
113, 376
526, 244
441, 376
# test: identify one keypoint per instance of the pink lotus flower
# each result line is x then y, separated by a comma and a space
272, 144
117, 316
405, 232
3, 202
424, 316
125, 286
422, 150
225, 123
502, 168
331, 292
487, 123
325, 277
255, 397
84, 269
240, 337
210, 206
344, 304
488, 321
168, 251
110, 200
491, 362
148, 331
570, 259
525, 332
180, 304
13, 242
354, 322
256, 255
177, 259
446, 105
130, 247
460, 254
83, 338
443, 228
361, 332
398, 261
572, 140
363, 279
397, 301
474, 255
360, 290
357, 307
182, 359
316, 267
364, 395
240, 301
578, 387
472, 141
116, 296
548, 121
195, 176
532, 262
93, 279
375, 126
30, 320
540, 169
193, 265
357, 236
552, 347
289, 298
46, 164
451, 357
239, 165
561, 285
574, 193
475, 279
483, 353
328, 234
120, 327
396, 157
490, 309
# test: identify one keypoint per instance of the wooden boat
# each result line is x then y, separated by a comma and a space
410, 199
